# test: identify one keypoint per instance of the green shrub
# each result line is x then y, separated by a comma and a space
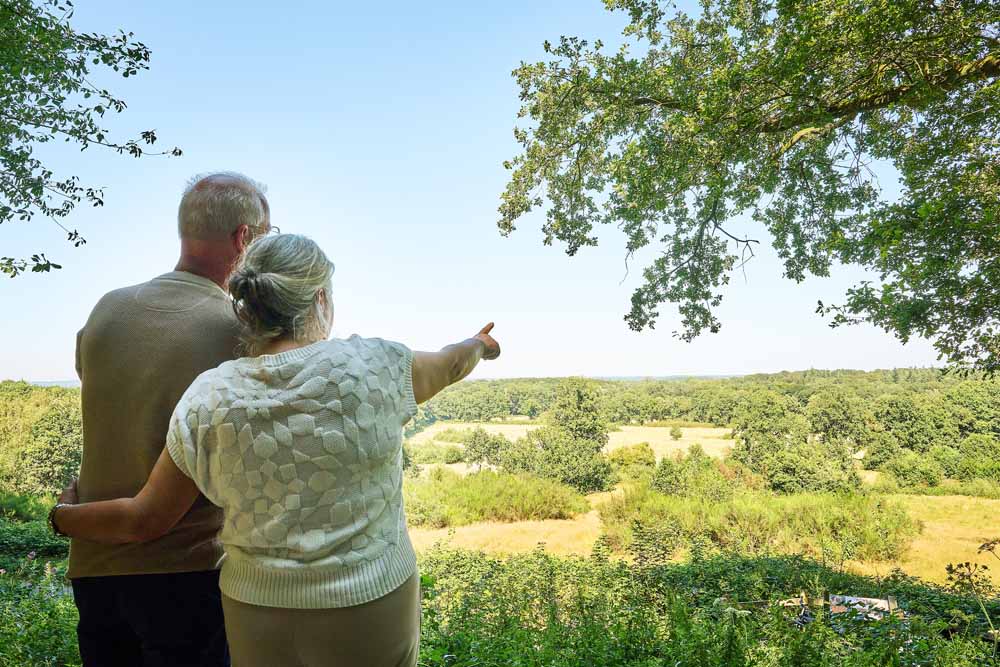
434, 452
37, 617
24, 507
633, 462
949, 458
811, 467
882, 448
484, 447
445, 498
979, 458
543, 611
912, 469
833, 526
555, 454
453, 435
676, 433
17, 540
695, 475
50, 456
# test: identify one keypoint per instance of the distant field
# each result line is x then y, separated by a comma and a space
658, 437
954, 527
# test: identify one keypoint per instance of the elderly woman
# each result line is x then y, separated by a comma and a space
300, 443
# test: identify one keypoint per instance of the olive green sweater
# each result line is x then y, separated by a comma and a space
138, 352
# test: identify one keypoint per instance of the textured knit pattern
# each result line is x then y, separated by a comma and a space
139, 351
303, 451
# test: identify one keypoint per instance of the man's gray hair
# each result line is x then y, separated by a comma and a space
215, 205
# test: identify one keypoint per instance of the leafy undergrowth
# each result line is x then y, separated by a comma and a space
834, 527
540, 610
445, 498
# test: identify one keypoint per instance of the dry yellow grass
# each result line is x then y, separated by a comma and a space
954, 527
713, 440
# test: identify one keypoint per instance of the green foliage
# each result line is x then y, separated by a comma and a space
765, 424
544, 611
676, 433
576, 410
882, 448
23, 507
840, 415
445, 498
633, 462
41, 437
979, 458
831, 526
911, 469
697, 475
18, 540
554, 453
454, 435
436, 452
46, 93
37, 617
482, 446
773, 112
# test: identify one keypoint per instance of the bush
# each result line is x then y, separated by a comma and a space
696, 475
633, 461
17, 540
979, 458
811, 467
882, 448
446, 498
23, 507
50, 457
544, 611
484, 447
912, 469
832, 526
948, 458
435, 452
37, 617
455, 435
553, 453
676, 433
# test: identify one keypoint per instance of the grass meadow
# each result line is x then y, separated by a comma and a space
953, 526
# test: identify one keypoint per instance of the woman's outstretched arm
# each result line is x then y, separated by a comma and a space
433, 371
166, 497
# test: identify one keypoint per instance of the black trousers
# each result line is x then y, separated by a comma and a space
151, 620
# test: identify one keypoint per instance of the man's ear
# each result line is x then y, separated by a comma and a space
242, 238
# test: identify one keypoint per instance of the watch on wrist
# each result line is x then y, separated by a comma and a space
52, 519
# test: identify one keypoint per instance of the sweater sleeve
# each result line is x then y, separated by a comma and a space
180, 445
400, 360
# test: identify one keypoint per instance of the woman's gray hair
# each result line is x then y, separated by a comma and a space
215, 205
274, 290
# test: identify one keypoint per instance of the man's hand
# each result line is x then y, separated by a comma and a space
492, 348
69, 496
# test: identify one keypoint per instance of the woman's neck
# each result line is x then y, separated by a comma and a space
284, 345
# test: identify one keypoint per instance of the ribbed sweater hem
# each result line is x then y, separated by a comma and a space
245, 579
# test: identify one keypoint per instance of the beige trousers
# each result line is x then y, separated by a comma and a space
381, 633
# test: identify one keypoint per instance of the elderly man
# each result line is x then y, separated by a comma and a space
158, 603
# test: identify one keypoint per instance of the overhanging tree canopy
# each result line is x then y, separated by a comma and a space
778, 110
46, 95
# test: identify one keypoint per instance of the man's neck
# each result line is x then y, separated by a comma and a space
217, 274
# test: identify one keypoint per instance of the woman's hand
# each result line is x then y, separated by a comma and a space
492, 348
70, 495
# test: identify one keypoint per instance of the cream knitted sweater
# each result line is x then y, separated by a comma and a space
303, 451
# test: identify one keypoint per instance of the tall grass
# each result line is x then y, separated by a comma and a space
436, 452
457, 435
833, 527
445, 498
981, 488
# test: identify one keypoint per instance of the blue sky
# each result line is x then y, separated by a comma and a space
379, 130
